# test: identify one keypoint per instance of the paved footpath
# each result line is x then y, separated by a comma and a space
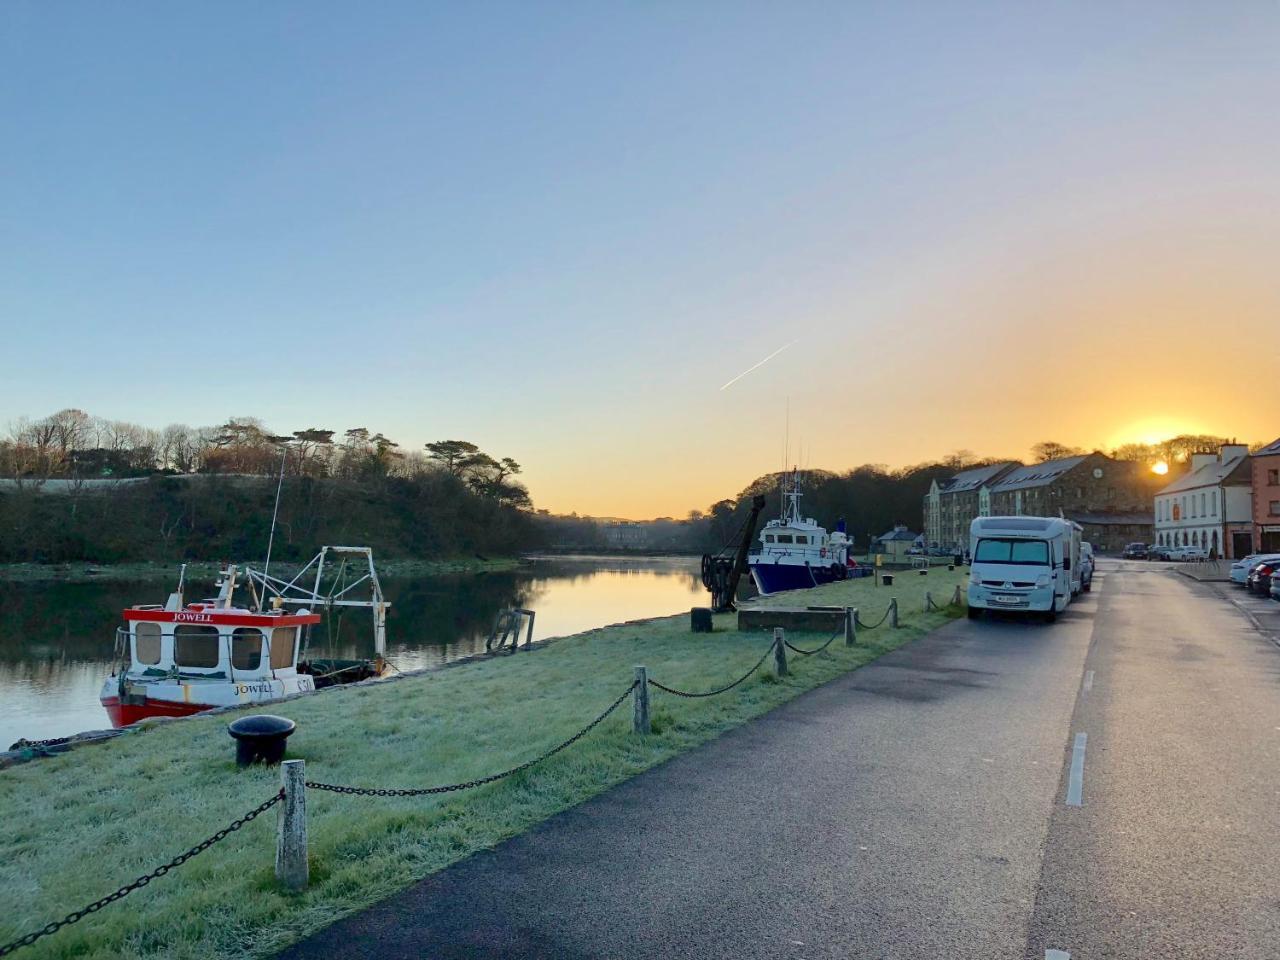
924, 806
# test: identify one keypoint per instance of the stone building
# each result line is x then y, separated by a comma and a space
1211, 505
1266, 498
1110, 498
951, 504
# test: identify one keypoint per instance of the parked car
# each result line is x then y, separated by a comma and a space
1160, 553
1135, 551
1086, 566
1240, 569
1259, 580
1193, 553
1275, 588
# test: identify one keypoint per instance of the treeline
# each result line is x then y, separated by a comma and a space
80, 488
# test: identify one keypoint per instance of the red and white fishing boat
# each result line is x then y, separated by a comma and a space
181, 658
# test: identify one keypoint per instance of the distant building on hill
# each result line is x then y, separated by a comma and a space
1266, 498
1211, 505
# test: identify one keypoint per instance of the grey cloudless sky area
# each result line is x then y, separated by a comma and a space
556, 229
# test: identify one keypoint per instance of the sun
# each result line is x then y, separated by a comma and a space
1161, 468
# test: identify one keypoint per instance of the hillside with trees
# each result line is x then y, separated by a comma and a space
81, 488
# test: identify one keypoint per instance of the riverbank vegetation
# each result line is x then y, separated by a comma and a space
138, 800
79, 489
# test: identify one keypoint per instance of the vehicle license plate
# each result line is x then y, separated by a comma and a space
1006, 598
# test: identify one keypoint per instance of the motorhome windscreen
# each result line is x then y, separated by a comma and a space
1028, 552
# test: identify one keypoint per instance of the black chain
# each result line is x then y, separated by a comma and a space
810, 653
718, 690
77, 915
450, 788
872, 626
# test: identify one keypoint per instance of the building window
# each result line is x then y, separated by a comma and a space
1273, 478
246, 648
1275, 508
1202, 510
146, 642
195, 646
1213, 505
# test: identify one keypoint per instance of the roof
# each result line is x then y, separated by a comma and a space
1038, 474
973, 479
1116, 519
1270, 449
1210, 475
898, 533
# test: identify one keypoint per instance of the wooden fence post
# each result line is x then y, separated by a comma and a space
640, 702
528, 637
928, 602
893, 612
779, 652
850, 626
292, 869
956, 598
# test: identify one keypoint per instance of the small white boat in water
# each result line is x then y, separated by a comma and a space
182, 658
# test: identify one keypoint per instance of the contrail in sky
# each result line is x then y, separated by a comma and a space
760, 364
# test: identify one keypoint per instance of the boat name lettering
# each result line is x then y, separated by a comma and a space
253, 688
193, 618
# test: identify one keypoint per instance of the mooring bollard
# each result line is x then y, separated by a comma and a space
850, 626
779, 652
893, 612
292, 869
640, 702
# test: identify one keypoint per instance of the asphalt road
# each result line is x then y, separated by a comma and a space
924, 806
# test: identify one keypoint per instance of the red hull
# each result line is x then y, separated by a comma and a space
123, 714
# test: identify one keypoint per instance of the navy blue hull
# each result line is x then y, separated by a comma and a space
777, 577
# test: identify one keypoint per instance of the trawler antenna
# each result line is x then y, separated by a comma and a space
275, 512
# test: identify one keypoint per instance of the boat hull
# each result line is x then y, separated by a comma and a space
779, 577
137, 699
123, 714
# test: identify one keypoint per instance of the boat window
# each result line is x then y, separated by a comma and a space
768, 538
246, 648
1032, 552
282, 642
146, 643
802, 538
195, 646
784, 538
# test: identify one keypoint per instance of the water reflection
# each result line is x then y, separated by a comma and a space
55, 639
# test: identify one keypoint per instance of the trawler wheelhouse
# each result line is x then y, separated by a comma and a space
796, 552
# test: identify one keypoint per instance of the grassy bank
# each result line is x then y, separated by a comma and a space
207, 570
79, 825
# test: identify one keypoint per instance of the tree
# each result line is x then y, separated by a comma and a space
1052, 450
452, 454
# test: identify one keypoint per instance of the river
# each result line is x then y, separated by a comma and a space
56, 638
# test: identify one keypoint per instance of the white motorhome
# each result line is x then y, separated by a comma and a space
1027, 564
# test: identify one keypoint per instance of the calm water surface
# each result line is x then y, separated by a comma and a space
56, 638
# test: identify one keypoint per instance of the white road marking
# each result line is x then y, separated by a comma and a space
1088, 681
1075, 784
1057, 955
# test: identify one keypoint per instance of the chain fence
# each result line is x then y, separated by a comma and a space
76, 916
809, 653
872, 626
481, 781
719, 690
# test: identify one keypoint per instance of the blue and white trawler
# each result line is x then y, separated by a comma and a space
796, 553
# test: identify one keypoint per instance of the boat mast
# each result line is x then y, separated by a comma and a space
275, 512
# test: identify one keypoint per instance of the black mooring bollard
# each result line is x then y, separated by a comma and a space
260, 738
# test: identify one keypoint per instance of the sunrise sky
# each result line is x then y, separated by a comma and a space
557, 229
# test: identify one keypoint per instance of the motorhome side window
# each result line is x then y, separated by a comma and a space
1034, 552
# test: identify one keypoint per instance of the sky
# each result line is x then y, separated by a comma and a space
558, 229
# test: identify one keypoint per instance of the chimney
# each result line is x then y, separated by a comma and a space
1231, 450
1199, 460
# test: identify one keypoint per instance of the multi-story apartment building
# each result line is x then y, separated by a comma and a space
1211, 505
951, 505
1109, 498
1266, 498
